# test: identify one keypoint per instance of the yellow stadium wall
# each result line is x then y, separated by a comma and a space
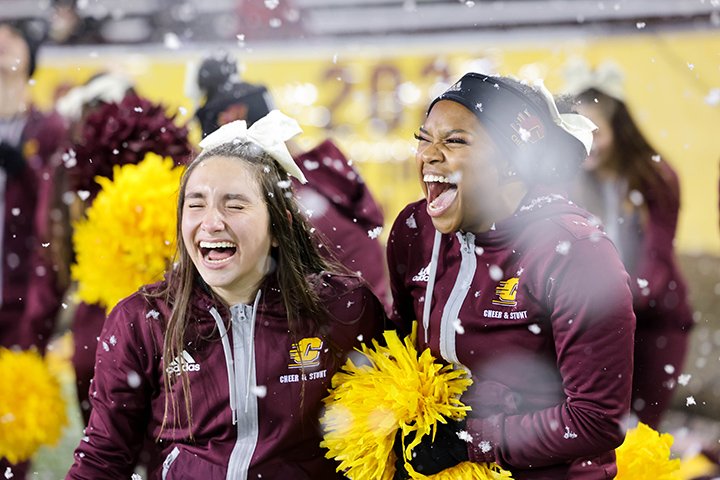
668, 78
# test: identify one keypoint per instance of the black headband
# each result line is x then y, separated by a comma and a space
514, 119
520, 123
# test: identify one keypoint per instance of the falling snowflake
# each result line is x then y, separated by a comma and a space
642, 283
656, 158
360, 338
8, 473
136, 476
133, 379
713, 97
375, 232
684, 379
479, 250
113, 340
153, 313
563, 248
105, 346
457, 325
311, 165
568, 434
284, 184
410, 221
172, 41
259, 391
669, 369
495, 272
535, 328
83, 194
484, 446
640, 25
690, 401
465, 436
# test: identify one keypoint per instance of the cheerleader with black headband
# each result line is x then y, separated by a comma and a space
514, 283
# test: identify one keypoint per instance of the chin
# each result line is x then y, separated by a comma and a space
444, 225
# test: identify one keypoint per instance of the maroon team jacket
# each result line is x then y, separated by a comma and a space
339, 204
29, 297
256, 390
539, 309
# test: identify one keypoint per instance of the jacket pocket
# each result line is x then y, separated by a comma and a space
184, 465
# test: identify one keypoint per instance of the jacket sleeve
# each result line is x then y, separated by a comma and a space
120, 399
333, 176
593, 326
402, 313
655, 266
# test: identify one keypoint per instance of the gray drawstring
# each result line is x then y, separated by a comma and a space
431, 283
251, 355
228, 362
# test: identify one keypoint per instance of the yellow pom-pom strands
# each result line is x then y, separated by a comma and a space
394, 388
32, 409
128, 237
645, 455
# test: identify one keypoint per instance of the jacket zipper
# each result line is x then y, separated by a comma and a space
468, 266
169, 461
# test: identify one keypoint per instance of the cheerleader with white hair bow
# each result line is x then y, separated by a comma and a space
224, 364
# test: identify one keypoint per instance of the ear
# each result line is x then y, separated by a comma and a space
274, 241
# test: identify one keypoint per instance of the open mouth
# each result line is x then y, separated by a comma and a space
441, 193
217, 252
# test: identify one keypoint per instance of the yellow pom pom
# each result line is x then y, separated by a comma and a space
128, 237
645, 455
32, 409
396, 388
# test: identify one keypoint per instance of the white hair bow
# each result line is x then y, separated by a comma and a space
575, 124
108, 88
607, 77
269, 133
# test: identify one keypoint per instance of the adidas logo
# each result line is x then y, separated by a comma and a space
184, 362
423, 275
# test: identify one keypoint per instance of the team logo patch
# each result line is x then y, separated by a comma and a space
528, 128
506, 293
306, 353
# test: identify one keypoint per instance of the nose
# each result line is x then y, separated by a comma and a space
429, 153
212, 221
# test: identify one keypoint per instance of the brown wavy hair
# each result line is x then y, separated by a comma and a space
633, 154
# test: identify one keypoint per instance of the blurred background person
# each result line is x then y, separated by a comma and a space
110, 124
635, 193
336, 200
30, 140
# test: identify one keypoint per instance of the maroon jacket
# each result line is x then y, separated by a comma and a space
659, 288
276, 403
540, 311
338, 203
30, 298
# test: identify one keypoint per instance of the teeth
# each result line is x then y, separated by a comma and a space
217, 245
218, 261
436, 179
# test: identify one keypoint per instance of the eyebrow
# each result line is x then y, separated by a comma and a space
227, 196
445, 134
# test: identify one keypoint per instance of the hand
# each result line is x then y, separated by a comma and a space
430, 457
11, 159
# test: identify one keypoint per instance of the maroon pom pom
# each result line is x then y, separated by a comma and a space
122, 133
